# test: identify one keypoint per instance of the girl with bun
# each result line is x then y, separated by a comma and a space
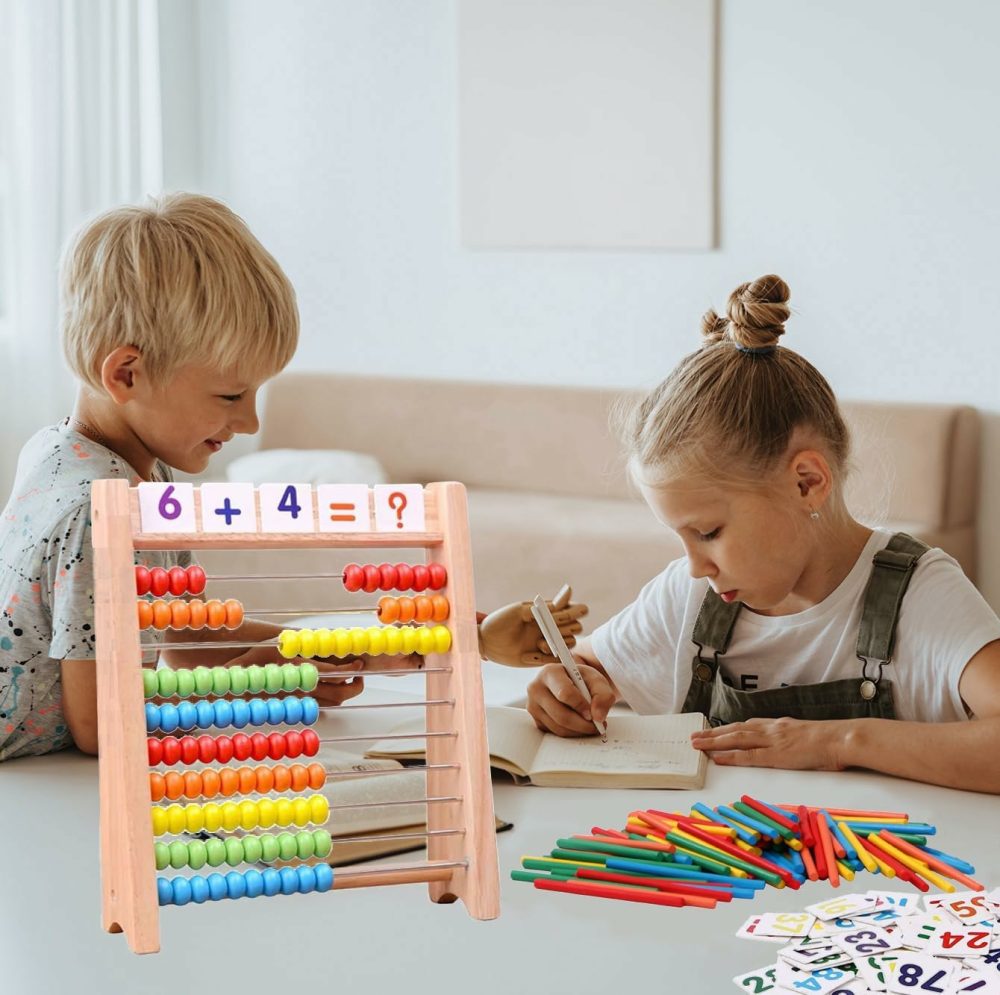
808, 639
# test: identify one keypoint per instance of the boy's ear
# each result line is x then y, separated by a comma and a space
812, 476
120, 373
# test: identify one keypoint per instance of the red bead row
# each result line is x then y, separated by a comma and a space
395, 577
206, 749
175, 581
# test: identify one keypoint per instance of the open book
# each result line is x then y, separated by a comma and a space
642, 751
374, 808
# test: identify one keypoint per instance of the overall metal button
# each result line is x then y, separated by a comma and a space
868, 690
703, 672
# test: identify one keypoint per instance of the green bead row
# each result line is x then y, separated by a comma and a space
200, 682
235, 850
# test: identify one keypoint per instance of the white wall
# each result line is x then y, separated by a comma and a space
858, 158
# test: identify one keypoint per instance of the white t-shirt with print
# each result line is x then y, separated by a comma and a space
647, 649
47, 582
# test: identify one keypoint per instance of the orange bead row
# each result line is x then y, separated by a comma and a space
422, 608
227, 781
194, 614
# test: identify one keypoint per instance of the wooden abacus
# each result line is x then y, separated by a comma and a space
461, 848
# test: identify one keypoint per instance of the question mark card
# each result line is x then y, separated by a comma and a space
399, 508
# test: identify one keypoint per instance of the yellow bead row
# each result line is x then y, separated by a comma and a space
374, 641
212, 817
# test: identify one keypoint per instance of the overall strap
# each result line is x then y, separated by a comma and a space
714, 624
713, 628
890, 576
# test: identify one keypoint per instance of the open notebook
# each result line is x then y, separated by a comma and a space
642, 751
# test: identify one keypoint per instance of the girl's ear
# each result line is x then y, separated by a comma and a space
121, 372
812, 477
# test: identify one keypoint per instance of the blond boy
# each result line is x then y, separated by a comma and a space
173, 316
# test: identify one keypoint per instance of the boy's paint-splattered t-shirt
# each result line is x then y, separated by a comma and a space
46, 582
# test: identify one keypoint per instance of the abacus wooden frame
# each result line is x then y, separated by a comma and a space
130, 902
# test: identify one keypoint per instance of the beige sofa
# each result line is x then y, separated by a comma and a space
548, 497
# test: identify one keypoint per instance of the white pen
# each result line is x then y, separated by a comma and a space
558, 646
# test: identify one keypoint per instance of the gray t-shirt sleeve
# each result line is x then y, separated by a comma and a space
68, 581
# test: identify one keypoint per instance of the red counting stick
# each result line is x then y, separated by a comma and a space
595, 890
805, 828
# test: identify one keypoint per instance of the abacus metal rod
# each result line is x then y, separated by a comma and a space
393, 735
258, 613
399, 836
395, 704
390, 770
426, 800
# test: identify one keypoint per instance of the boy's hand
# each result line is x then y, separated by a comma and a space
510, 635
331, 691
792, 744
557, 706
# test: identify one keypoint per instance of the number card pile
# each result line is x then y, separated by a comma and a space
731, 851
881, 941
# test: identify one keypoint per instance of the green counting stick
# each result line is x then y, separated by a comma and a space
609, 849
758, 872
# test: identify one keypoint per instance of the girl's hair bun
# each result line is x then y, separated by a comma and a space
758, 312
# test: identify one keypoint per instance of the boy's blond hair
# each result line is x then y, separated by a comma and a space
183, 280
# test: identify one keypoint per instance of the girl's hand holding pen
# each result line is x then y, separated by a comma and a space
557, 706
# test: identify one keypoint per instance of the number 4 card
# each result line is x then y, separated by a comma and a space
286, 508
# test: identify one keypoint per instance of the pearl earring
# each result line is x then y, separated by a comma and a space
814, 515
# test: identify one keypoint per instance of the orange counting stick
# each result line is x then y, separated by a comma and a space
902, 872
858, 815
576, 886
628, 841
932, 862
810, 864
826, 842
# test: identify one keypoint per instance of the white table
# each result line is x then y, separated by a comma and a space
394, 939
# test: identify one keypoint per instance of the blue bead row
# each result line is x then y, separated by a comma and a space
223, 714
245, 884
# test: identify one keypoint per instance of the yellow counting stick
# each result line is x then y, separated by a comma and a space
917, 866
845, 871
863, 855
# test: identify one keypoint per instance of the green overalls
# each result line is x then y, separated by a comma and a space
866, 696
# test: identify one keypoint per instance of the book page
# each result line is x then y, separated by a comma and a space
637, 744
381, 796
512, 733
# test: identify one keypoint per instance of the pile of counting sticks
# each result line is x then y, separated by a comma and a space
732, 851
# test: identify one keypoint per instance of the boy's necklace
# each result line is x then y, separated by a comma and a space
82, 428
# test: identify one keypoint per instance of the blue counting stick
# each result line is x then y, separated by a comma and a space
749, 885
835, 830
956, 862
912, 828
730, 813
741, 831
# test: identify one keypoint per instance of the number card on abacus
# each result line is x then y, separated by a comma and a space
180, 749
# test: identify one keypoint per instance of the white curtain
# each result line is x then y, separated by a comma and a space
80, 131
